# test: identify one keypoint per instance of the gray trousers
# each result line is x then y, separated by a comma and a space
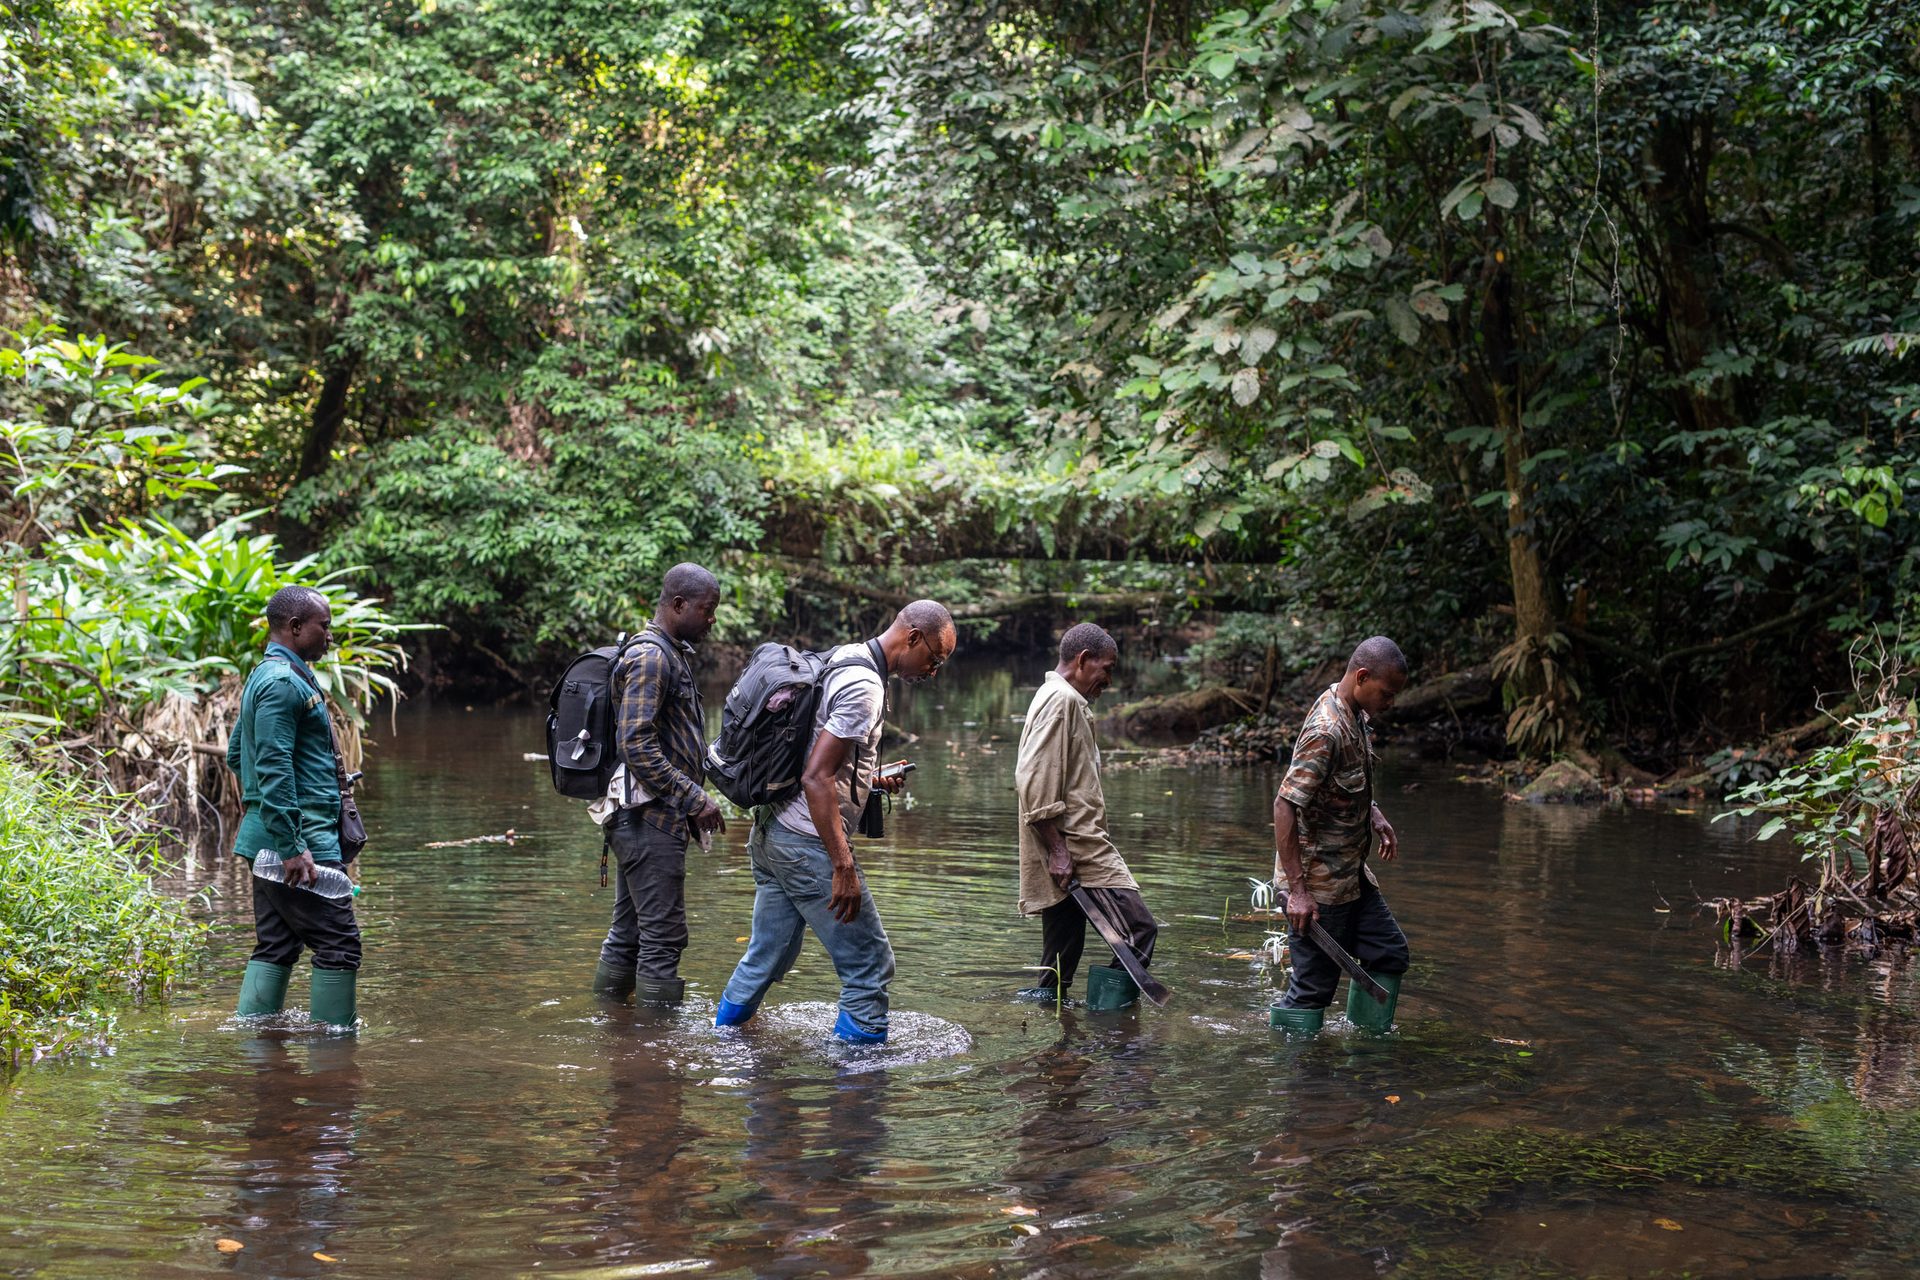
649, 929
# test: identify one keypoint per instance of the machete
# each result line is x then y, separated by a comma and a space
1337, 953
1151, 987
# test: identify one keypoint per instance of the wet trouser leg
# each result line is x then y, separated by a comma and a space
1368, 932
286, 918
649, 928
1063, 930
793, 891
1063, 935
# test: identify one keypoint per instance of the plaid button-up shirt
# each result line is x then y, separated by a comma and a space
662, 729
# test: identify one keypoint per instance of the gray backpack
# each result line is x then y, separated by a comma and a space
766, 725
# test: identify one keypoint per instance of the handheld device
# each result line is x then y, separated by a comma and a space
898, 769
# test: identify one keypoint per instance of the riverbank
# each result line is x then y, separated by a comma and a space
83, 929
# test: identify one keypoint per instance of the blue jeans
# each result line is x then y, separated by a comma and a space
793, 882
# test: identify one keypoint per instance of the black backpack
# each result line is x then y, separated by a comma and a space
581, 721
766, 725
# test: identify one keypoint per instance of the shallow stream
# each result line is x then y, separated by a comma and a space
1580, 1084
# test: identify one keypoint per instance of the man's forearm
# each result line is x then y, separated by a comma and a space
1286, 844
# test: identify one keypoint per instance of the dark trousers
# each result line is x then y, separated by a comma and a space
1063, 930
285, 919
1370, 935
649, 929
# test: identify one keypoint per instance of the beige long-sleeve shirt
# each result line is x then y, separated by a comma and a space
1058, 777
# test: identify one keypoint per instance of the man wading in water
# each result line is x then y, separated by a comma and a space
1324, 824
282, 752
660, 731
1063, 825
804, 874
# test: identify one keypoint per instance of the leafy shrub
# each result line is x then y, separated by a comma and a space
80, 919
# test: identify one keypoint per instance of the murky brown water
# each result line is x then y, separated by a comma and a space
1577, 1087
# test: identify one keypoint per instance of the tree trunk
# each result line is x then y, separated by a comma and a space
1676, 195
329, 415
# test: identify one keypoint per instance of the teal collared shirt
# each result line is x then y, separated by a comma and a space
282, 750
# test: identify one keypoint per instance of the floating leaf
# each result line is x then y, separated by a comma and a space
225, 1245
1668, 1224
324, 1257
1020, 1211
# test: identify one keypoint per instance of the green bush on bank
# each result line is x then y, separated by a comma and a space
81, 923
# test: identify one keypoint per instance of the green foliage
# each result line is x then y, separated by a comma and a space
1831, 799
80, 920
111, 612
1571, 315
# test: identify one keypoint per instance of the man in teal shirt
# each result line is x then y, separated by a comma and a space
282, 750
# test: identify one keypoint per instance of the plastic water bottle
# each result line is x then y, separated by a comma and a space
332, 881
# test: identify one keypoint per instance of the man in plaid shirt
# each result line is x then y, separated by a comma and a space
661, 736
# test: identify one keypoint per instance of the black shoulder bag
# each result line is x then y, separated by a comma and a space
353, 832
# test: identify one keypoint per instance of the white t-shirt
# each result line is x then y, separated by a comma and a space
853, 702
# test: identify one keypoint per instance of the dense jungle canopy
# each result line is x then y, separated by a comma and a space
1574, 338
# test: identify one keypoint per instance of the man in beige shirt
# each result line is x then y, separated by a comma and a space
1063, 825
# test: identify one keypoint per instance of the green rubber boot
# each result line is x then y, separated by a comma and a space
661, 993
1109, 989
612, 981
1296, 1022
332, 1000
1368, 1014
264, 988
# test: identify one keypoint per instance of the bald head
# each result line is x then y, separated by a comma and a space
688, 581
689, 600
1380, 656
919, 640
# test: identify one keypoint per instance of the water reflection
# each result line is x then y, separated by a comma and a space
296, 1166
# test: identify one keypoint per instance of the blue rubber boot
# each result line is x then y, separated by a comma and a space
730, 1014
845, 1029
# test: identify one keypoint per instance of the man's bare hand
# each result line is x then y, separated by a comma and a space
299, 869
1389, 842
891, 785
710, 818
1060, 865
845, 902
1301, 909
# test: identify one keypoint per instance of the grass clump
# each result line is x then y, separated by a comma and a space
81, 923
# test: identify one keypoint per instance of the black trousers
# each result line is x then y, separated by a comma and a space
1063, 930
649, 929
285, 919
1370, 935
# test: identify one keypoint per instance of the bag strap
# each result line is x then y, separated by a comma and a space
333, 736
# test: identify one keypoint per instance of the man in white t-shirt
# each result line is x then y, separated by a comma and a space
804, 871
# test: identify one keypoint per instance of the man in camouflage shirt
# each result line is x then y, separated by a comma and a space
1325, 822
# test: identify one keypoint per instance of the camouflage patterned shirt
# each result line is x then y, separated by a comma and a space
1329, 783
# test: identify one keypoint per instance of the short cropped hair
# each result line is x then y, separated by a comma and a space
1378, 654
689, 581
1087, 637
289, 605
928, 617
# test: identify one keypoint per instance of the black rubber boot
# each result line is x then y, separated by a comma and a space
659, 992
612, 981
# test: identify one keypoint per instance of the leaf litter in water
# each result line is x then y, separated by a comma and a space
225, 1245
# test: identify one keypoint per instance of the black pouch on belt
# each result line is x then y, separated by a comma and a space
873, 818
